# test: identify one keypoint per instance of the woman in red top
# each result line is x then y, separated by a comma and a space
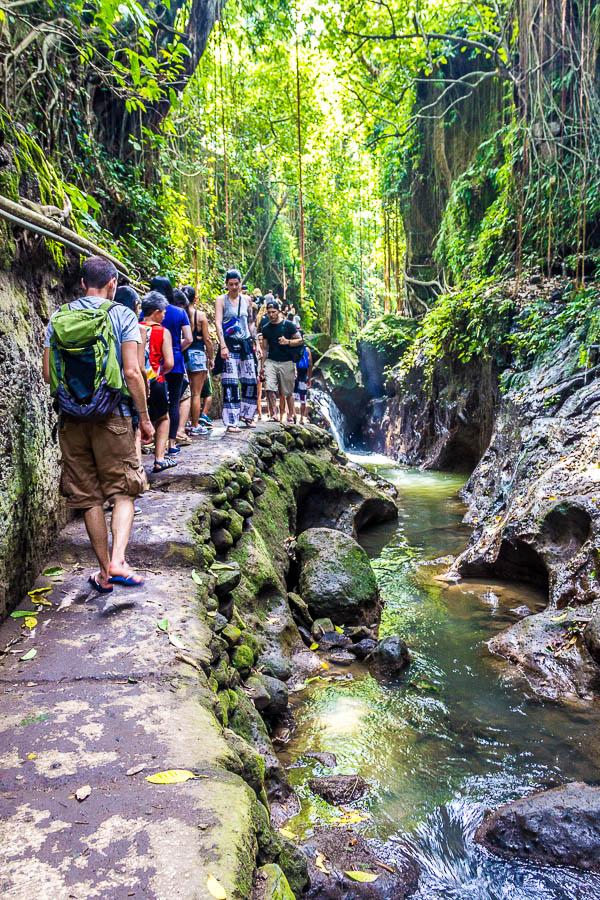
157, 350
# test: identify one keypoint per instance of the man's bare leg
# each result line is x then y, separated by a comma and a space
95, 525
122, 520
290, 407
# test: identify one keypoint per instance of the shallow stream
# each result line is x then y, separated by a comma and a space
457, 734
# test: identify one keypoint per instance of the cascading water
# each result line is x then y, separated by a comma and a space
326, 408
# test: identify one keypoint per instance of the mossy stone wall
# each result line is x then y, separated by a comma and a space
30, 508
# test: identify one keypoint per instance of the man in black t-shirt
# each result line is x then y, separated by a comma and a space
277, 365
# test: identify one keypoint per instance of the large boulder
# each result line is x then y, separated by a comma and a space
336, 578
558, 827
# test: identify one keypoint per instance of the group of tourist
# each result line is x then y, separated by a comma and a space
126, 371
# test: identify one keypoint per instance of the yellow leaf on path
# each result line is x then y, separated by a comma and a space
363, 877
560, 618
41, 601
215, 888
339, 629
32, 756
320, 864
29, 622
42, 590
171, 776
286, 833
324, 665
314, 646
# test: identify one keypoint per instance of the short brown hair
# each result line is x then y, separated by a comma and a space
97, 271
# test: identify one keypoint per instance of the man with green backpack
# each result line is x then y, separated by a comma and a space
91, 363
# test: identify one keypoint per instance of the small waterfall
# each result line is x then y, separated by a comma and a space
323, 403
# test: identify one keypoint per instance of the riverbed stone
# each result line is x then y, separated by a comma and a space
390, 656
299, 609
321, 627
326, 759
333, 639
222, 540
341, 658
227, 579
271, 884
557, 827
269, 695
358, 633
344, 850
338, 789
336, 578
232, 634
242, 659
362, 649
243, 508
276, 665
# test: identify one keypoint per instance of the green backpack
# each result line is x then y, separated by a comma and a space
85, 373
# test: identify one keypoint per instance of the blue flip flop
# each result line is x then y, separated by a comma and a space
98, 587
125, 581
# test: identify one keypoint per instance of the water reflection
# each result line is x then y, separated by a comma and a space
451, 738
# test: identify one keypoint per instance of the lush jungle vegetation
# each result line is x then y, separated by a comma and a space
361, 158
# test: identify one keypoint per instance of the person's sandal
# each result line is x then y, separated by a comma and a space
166, 464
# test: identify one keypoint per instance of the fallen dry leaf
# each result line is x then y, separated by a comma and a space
215, 888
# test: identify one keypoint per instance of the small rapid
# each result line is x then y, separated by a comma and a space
458, 734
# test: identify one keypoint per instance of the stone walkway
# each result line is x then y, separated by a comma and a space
106, 695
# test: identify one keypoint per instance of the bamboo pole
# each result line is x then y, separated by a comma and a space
29, 219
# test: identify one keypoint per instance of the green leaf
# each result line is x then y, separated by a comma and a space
196, 577
29, 655
21, 613
33, 720
163, 624
53, 572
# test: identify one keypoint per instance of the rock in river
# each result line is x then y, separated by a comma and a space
390, 656
336, 578
338, 789
559, 827
341, 850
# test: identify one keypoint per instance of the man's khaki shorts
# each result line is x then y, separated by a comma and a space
99, 461
280, 376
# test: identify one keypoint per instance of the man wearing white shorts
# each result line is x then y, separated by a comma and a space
278, 337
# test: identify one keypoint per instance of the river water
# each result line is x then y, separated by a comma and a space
457, 734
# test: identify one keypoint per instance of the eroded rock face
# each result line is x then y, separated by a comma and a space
448, 427
340, 856
558, 827
336, 578
591, 636
534, 500
552, 664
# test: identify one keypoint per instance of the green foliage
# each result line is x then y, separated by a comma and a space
473, 323
476, 235
542, 325
390, 335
